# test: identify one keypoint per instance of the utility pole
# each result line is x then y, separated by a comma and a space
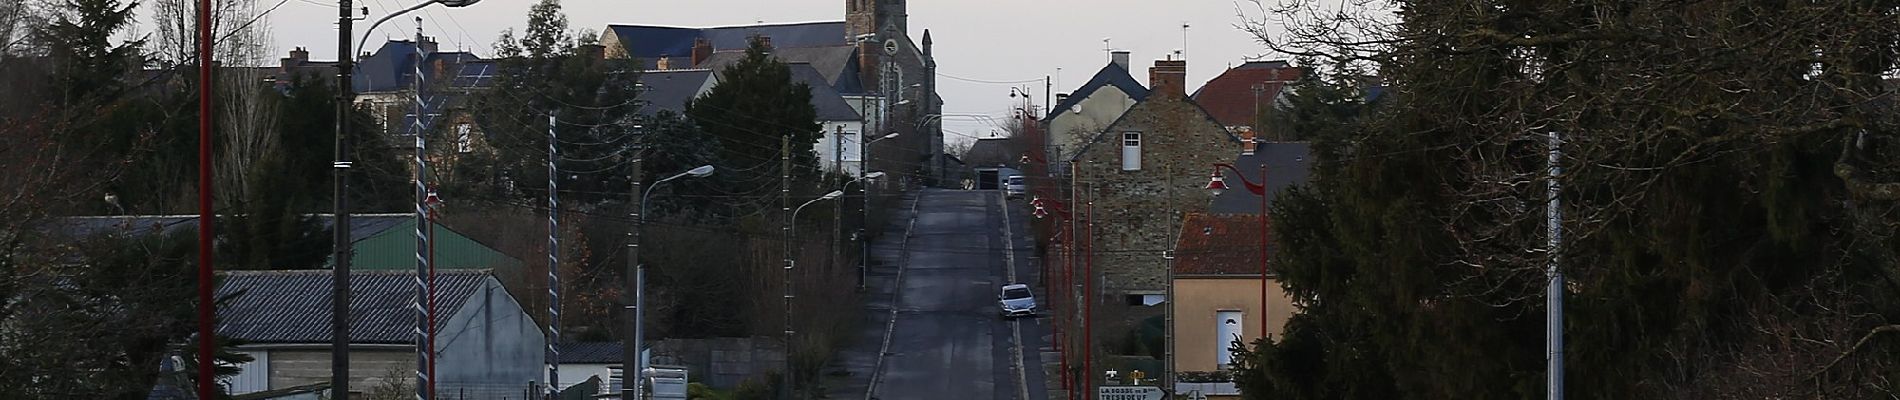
630, 353
837, 207
785, 205
340, 221
424, 348
554, 265
1554, 295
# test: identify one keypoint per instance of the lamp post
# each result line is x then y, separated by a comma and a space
340, 272
790, 237
864, 207
1217, 185
1066, 289
631, 363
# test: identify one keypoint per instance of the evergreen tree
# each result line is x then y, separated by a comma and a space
755, 105
1726, 230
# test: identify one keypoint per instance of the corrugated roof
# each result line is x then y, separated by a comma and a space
294, 306
1230, 97
1288, 164
670, 90
1216, 244
1110, 75
591, 353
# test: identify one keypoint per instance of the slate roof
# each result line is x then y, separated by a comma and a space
1230, 96
670, 90
991, 152
590, 353
1288, 164
362, 226
1219, 244
393, 67
294, 306
1110, 75
824, 99
654, 41
831, 61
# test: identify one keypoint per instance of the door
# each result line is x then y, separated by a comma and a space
986, 179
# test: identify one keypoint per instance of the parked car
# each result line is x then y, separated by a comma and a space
1015, 186
1017, 301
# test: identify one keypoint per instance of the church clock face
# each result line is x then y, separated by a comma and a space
890, 46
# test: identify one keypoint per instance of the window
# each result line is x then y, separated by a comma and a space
1131, 151
464, 143
1227, 330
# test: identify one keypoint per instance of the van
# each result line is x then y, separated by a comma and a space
1015, 186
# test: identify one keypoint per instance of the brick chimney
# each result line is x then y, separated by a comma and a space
429, 46
1247, 142
1168, 78
702, 49
298, 56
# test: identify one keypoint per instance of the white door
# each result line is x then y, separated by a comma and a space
1227, 330
252, 376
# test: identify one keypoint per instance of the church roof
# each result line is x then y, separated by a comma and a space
654, 41
833, 62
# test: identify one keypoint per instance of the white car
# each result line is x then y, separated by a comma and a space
1015, 186
1017, 301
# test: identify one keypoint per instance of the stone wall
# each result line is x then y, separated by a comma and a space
722, 362
1137, 213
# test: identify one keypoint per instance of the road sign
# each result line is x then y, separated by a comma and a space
1196, 395
1128, 393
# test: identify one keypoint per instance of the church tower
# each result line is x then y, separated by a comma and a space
873, 16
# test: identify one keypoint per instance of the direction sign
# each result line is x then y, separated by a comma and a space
1128, 393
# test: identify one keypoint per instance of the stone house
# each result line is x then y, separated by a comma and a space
1142, 172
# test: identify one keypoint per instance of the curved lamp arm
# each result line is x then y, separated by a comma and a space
1218, 184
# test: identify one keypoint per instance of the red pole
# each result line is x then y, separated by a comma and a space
1062, 295
1263, 246
207, 336
1088, 302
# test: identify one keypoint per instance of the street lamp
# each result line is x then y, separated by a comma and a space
630, 358
1065, 292
785, 380
340, 271
1217, 185
864, 207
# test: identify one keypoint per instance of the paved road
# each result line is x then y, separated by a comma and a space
948, 340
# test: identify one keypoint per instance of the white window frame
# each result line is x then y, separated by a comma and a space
1131, 151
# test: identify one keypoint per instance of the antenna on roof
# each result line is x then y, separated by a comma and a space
1184, 41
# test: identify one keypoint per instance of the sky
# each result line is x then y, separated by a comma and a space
976, 41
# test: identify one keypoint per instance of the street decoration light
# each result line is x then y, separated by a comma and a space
1217, 185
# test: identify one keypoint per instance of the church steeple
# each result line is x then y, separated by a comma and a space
875, 16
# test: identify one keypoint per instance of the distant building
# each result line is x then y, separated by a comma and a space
868, 59
486, 345
1240, 96
1221, 297
1080, 115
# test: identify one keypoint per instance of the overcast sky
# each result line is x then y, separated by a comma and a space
985, 40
